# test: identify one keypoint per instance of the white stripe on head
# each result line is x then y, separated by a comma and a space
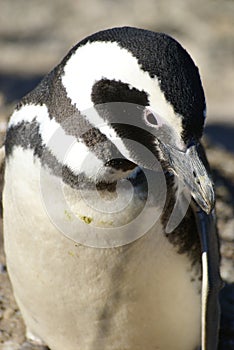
95, 119
107, 60
66, 148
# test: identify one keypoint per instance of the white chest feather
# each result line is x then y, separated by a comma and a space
74, 297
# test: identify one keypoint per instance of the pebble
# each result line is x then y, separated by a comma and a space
3, 268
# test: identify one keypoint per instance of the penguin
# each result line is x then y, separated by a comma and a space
109, 221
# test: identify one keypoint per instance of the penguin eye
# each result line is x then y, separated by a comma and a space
151, 118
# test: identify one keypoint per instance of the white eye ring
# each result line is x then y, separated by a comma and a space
151, 118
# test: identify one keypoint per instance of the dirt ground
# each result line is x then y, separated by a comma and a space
35, 35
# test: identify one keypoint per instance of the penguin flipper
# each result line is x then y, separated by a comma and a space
211, 280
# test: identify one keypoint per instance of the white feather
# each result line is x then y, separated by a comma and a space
141, 293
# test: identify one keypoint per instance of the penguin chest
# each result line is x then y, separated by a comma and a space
134, 296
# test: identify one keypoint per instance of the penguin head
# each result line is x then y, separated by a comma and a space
145, 90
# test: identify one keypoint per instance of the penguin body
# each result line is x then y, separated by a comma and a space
93, 265
125, 297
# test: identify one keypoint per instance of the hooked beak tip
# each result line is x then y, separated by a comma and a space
204, 195
191, 169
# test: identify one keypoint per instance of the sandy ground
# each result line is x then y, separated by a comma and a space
35, 35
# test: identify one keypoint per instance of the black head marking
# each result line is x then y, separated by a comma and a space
163, 57
159, 55
106, 91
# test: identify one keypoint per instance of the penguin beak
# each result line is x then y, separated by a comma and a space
190, 168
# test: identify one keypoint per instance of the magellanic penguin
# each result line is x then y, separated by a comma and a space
105, 248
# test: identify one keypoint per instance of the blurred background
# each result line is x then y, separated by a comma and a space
34, 37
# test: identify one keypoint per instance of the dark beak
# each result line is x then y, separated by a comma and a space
190, 167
